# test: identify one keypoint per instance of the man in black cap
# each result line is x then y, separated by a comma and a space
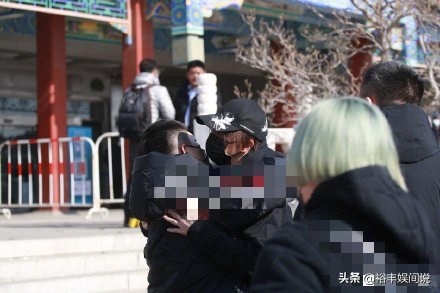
240, 128
238, 137
238, 114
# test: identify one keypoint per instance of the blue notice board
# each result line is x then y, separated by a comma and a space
82, 164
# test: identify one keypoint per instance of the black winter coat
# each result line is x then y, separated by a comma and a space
176, 263
235, 215
419, 156
350, 221
233, 237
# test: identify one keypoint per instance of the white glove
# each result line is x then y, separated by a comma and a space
206, 109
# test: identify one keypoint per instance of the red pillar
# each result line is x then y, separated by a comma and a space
360, 62
141, 47
52, 91
280, 115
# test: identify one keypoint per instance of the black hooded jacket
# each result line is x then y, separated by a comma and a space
151, 194
176, 263
419, 156
358, 222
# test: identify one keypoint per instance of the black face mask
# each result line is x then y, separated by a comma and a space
215, 149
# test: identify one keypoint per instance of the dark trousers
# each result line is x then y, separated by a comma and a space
134, 144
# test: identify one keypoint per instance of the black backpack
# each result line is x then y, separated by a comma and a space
132, 112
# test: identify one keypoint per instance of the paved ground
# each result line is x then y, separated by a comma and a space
35, 224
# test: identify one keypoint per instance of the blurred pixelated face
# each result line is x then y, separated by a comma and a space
192, 75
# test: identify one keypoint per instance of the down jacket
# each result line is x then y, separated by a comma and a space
159, 104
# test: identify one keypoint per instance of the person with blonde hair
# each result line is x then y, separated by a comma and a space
359, 220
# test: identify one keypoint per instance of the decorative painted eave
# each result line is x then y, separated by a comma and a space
290, 10
208, 6
114, 12
298, 10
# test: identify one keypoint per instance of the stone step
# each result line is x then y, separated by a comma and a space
68, 265
61, 252
133, 240
119, 281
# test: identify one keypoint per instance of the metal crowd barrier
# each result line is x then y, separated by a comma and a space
26, 160
106, 139
25, 166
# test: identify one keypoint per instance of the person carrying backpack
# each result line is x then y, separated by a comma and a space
142, 104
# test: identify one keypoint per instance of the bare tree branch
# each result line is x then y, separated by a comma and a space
298, 78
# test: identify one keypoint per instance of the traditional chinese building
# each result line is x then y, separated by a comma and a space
64, 63
70, 60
